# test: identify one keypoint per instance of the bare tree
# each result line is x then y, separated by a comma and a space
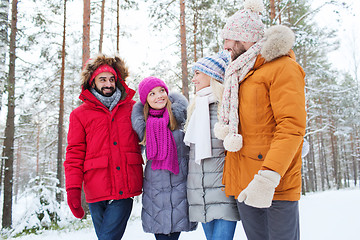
10, 125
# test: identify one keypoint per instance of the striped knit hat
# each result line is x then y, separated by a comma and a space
245, 25
214, 66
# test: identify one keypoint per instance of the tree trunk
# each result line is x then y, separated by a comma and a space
353, 158
85, 57
323, 157
38, 150
2, 170
321, 160
279, 10
86, 32
184, 70
303, 191
347, 168
357, 149
118, 26
305, 177
334, 157
4, 9
272, 10
17, 169
195, 34
313, 163
327, 174
310, 169
10, 125
102, 25
59, 173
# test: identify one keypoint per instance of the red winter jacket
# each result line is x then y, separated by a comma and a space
103, 150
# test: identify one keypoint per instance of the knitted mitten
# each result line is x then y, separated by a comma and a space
260, 191
74, 202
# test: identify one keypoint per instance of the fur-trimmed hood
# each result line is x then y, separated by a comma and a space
92, 64
178, 107
279, 42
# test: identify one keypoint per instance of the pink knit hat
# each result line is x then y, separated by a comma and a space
147, 84
101, 69
245, 25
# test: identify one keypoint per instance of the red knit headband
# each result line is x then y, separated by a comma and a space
101, 69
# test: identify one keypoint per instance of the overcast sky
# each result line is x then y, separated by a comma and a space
348, 29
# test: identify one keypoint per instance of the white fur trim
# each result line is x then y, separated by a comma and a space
233, 142
305, 148
221, 131
254, 5
279, 41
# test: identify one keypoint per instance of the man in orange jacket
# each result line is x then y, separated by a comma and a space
262, 123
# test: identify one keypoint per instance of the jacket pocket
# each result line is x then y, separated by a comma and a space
255, 152
250, 162
97, 177
134, 172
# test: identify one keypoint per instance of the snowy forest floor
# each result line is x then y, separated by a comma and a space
330, 215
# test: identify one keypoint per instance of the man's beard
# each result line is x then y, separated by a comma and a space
105, 94
238, 51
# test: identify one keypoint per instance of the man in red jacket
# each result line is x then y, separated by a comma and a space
103, 153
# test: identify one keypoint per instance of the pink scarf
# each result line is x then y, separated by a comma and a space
160, 143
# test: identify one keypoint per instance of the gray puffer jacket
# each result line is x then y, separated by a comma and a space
206, 197
165, 206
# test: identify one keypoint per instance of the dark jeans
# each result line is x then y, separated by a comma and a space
110, 218
219, 229
171, 236
278, 222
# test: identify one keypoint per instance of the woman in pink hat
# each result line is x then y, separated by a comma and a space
158, 120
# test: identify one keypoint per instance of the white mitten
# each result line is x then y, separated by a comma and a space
260, 191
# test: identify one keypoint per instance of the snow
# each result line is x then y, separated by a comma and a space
330, 215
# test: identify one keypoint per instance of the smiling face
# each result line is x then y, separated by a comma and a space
157, 98
201, 80
104, 83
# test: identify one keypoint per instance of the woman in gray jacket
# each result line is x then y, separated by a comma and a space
158, 120
208, 203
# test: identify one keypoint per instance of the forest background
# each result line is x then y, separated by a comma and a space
44, 43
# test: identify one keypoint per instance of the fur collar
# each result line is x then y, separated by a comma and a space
279, 41
92, 64
178, 106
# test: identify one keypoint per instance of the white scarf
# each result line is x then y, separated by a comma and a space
227, 127
198, 130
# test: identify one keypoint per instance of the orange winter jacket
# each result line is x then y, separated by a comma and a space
272, 120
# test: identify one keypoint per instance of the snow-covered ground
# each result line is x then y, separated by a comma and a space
329, 215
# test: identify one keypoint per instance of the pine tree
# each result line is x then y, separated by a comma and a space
44, 212
4, 8
10, 125
61, 114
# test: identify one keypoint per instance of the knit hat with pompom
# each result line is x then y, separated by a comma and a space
245, 25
